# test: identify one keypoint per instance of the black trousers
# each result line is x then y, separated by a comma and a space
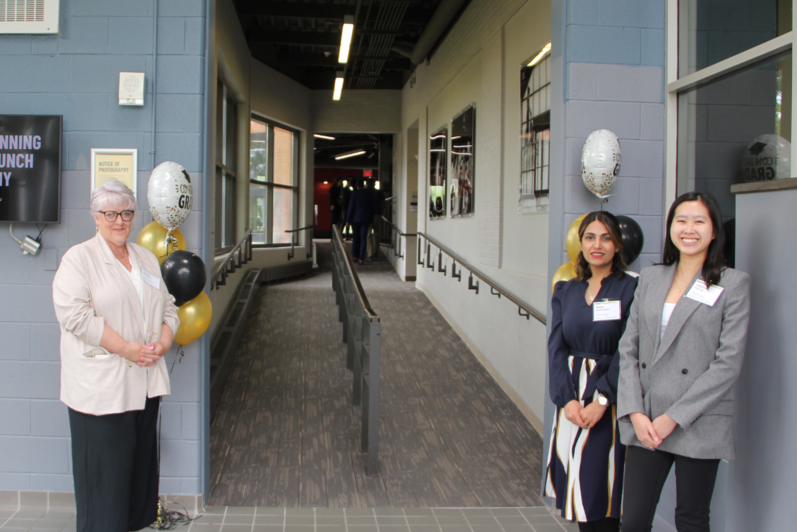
115, 468
607, 524
360, 239
645, 474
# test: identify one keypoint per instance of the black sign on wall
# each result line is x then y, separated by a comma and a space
30, 168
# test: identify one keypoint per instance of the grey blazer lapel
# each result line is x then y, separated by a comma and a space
680, 315
655, 303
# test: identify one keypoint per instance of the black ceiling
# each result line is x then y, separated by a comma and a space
326, 150
292, 37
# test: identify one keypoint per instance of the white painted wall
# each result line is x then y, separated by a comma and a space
479, 62
262, 90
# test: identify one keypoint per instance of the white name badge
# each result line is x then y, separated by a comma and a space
150, 279
605, 310
702, 293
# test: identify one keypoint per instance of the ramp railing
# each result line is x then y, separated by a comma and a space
362, 334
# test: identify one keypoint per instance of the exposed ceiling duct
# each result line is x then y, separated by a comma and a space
446, 13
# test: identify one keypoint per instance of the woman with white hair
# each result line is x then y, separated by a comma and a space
117, 321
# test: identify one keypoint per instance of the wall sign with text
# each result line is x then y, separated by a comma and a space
120, 164
30, 168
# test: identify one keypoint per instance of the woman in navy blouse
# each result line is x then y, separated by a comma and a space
585, 459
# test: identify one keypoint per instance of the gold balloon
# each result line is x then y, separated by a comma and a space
565, 272
195, 319
153, 236
572, 243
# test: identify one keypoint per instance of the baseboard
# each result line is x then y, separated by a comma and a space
527, 412
57, 501
409, 278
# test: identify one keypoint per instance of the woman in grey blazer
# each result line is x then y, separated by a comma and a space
679, 358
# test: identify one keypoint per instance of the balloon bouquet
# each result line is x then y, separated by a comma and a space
600, 166
169, 193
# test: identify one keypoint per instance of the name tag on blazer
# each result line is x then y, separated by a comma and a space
150, 279
702, 293
605, 310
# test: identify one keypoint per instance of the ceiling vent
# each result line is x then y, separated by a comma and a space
28, 16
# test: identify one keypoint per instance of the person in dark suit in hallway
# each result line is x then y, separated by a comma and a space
360, 216
680, 356
336, 201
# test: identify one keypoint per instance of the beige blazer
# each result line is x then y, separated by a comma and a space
92, 289
690, 372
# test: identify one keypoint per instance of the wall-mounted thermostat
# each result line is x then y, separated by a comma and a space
131, 88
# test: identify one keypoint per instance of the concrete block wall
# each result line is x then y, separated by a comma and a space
613, 53
76, 74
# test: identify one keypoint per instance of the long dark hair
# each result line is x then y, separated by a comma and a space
583, 271
715, 262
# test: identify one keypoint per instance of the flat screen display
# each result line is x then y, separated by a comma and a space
30, 168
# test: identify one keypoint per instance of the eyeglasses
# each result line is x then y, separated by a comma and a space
110, 216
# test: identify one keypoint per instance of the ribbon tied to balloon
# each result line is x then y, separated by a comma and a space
170, 194
633, 240
600, 162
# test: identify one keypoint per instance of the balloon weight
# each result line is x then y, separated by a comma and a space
633, 238
184, 275
153, 237
565, 272
195, 319
572, 242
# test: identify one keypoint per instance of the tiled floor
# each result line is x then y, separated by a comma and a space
251, 519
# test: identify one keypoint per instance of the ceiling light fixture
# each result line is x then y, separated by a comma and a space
346, 33
540, 56
325, 137
338, 86
349, 154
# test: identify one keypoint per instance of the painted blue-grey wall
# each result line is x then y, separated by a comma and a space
76, 74
761, 478
607, 73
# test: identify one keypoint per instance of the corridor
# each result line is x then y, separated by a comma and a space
286, 435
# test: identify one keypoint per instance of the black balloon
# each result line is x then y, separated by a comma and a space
633, 238
184, 275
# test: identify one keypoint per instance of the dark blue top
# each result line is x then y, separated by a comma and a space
361, 207
573, 332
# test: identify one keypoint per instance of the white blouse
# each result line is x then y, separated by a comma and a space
135, 277
665, 316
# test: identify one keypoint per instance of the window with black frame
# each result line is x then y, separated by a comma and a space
273, 181
225, 184
535, 133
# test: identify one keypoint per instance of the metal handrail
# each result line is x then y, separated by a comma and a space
363, 299
495, 288
244, 254
293, 240
397, 230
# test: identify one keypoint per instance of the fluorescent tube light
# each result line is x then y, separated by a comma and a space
346, 33
338, 87
326, 137
350, 154
540, 56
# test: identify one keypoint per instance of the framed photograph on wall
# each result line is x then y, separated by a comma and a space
121, 164
438, 152
463, 159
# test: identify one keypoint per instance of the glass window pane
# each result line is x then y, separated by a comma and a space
282, 214
735, 129
258, 213
218, 209
713, 30
258, 151
229, 210
219, 121
230, 154
283, 156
